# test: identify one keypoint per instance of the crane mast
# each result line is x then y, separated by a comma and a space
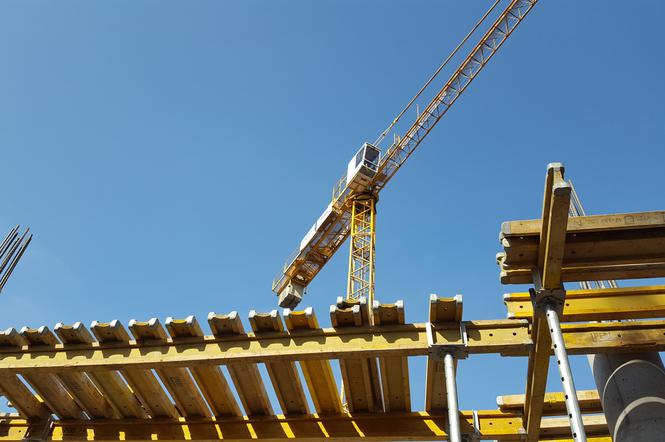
352, 210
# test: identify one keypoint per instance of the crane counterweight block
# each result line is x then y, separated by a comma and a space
291, 295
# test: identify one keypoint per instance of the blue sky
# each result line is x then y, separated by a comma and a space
169, 155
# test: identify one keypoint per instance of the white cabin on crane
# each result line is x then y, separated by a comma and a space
362, 168
360, 172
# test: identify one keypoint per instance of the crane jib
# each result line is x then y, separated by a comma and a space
324, 240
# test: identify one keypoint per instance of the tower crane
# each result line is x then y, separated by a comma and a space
352, 209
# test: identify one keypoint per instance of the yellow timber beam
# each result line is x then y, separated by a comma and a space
506, 337
554, 404
589, 439
556, 203
492, 425
598, 304
590, 223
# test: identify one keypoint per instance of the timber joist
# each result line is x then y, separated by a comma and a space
504, 337
169, 379
599, 247
598, 304
557, 249
482, 424
554, 403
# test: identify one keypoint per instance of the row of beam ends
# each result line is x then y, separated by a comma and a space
343, 314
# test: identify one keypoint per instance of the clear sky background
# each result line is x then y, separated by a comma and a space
169, 155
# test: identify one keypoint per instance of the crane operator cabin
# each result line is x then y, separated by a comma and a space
360, 172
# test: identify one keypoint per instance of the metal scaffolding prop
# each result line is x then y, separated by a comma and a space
177, 382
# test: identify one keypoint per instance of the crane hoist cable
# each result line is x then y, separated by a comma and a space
436, 73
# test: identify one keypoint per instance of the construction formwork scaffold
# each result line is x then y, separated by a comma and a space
155, 382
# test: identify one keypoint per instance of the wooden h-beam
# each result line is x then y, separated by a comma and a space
598, 247
547, 275
505, 337
400, 426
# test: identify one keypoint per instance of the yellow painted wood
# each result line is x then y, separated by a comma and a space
421, 426
87, 396
143, 382
22, 398
49, 386
149, 391
11, 338
555, 239
113, 389
394, 369
360, 375
18, 429
54, 394
318, 372
599, 304
594, 425
436, 399
177, 380
594, 272
441, 311
589, 439
118, 393
216, 391
591, 223
538, 366
508, 337
554, 403
283, 374
210, 380
245, 375
601, 247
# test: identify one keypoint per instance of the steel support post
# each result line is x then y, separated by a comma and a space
572, 405
454, 429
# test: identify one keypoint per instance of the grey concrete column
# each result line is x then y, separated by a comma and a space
632, 392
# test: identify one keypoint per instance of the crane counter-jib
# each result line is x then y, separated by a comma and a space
324, 238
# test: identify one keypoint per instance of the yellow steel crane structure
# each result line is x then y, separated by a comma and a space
352, 209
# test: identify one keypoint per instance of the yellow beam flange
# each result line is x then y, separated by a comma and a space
598, 304
554, 404
591, 223
493, 425
506, 337
546, 276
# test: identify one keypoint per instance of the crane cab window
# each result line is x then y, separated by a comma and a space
368, 156
371, 156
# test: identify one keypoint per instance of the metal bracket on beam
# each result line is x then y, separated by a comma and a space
544, 299
437, 352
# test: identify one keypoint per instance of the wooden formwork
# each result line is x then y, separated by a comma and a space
153, 379
177, 381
